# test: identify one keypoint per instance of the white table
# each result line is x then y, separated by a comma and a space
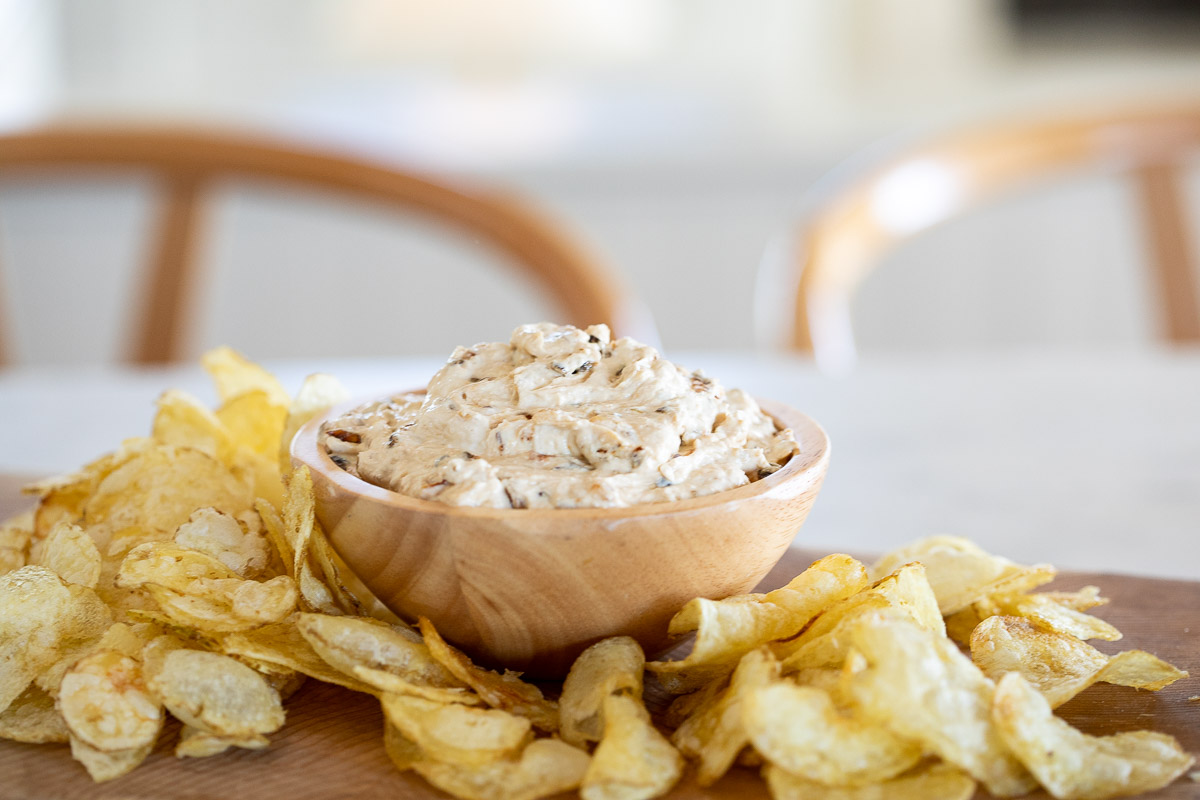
1088, 461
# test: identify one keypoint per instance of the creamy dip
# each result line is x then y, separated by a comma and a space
560, 417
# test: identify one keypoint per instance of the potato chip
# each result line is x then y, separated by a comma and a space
1140, 670
40, 616
184, 421
349, 642
169, 565
300, 528
246, 552
457, 734
960, 624
63, 498
1047, 613
16, 534
283, 645
935, 781
378, 681
195, 589
961, 572
824, 642
273, 528
197, 743
105, 703
159, 487
104, 765
1079, 600
545, 767
71, 554
255, 422
728, 629
923, 688
32, 718
128, 639
505, 691
155, 652
226, 605
217, 694
633, 760
317, 394
609, 666
1059, 665
235, 375
1074, 765
401, 750
684, 705
798, 729
714, 733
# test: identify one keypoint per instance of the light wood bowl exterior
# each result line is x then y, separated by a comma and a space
529, 589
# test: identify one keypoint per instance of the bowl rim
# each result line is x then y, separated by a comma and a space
305, 449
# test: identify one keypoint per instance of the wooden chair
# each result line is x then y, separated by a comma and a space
857, 216
187, 165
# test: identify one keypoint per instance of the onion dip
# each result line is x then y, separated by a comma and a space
560, 417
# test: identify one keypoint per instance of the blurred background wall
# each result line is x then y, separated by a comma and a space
675, 137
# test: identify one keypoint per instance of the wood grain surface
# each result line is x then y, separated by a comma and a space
331, 746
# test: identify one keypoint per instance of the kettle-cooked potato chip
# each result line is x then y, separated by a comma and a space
16, 533
235, 375
961, 572
184, 421
196, 743
160, 486
255, 421
106, 704
922, 687
246, 552
545, 767
609, 666
401, 750
40, 618
349, 642
714, 733
107, 765
71, 554
728, 629
282, 644
217, 694
317, 394
63, 498
378, 681
798, 729
32, 718
1059, 665
505, 691
633, 760
824, 642
1047, 612
927, 782
1073, 765
458, 734
313, 567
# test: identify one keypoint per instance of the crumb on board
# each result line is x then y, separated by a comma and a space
1194, 698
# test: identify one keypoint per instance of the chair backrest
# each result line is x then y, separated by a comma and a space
186, 165
854, 220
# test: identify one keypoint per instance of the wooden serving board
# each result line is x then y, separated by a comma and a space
332, 748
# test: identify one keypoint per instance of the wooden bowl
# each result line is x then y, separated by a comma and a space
529, 589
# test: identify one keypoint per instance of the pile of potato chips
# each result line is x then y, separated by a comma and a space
186, 573
848, 683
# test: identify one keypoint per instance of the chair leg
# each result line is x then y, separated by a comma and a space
1171, 250
170, 276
